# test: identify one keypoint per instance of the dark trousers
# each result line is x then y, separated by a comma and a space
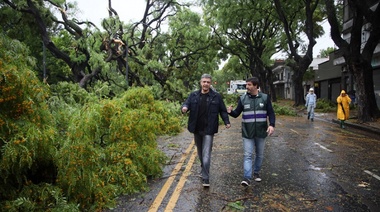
204, 147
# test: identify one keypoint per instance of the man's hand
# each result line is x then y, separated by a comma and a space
270, 130
229, 109
228, 126
184, 109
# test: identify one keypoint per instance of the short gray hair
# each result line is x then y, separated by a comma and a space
206, 76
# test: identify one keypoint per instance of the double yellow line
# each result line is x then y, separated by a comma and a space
177, 191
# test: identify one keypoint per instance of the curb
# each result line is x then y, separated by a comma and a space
360, 127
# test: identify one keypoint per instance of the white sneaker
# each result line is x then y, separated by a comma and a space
257, 177
245, 182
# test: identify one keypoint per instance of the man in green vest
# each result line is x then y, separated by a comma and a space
257, 109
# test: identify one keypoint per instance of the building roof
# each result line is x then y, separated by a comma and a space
316, 61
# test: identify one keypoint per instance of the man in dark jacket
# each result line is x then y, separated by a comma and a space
205, 105
257, 109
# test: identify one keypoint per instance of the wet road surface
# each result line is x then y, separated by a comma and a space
308, 166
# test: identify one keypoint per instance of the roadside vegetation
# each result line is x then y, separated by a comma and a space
65, 149
325, 106
286, 107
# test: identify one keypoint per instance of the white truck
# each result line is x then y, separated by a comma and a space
237, 87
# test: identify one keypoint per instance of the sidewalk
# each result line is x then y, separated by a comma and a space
372, 127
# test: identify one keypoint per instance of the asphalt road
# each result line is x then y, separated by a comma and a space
308, 166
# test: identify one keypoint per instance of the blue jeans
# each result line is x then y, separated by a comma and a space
249, 144
310, 110
204, 147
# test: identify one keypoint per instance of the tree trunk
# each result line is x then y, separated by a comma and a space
299, 69
271, 85
298, 92
367, 107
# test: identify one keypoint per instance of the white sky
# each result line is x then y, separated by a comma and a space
96, 10
324, 41
133, 10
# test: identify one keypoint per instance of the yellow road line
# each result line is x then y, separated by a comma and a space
173, 200
157, 202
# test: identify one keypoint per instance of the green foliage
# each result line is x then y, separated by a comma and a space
74, 150
27, 133
309, 75
283, 109
114, 150
37, 197
326, 52
192, 50
325, 106
236, 206
231, 99
246, 39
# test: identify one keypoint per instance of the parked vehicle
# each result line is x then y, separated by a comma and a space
237, 87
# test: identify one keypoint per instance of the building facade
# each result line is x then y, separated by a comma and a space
282, 81
328, 79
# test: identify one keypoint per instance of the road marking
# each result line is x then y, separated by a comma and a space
157, 202
323, 147
372, 174
177, 191
294, 131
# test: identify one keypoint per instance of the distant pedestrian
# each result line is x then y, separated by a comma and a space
311, 103
343, 109
205, 105
256, 107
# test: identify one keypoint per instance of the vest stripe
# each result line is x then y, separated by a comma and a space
251, 116
254, 120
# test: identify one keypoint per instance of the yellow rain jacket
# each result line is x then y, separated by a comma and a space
343, 113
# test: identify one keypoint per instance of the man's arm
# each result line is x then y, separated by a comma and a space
270, 113
236, 113
223, 112
186, 105
272, 117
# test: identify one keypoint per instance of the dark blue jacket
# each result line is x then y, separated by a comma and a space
216, 106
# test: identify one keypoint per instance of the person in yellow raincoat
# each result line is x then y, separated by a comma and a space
343, 112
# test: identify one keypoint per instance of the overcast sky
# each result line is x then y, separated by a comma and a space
133, 10
96, 10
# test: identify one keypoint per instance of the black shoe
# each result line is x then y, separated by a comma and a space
206, 183
308, 116
312, 119
245, 182
257, 177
